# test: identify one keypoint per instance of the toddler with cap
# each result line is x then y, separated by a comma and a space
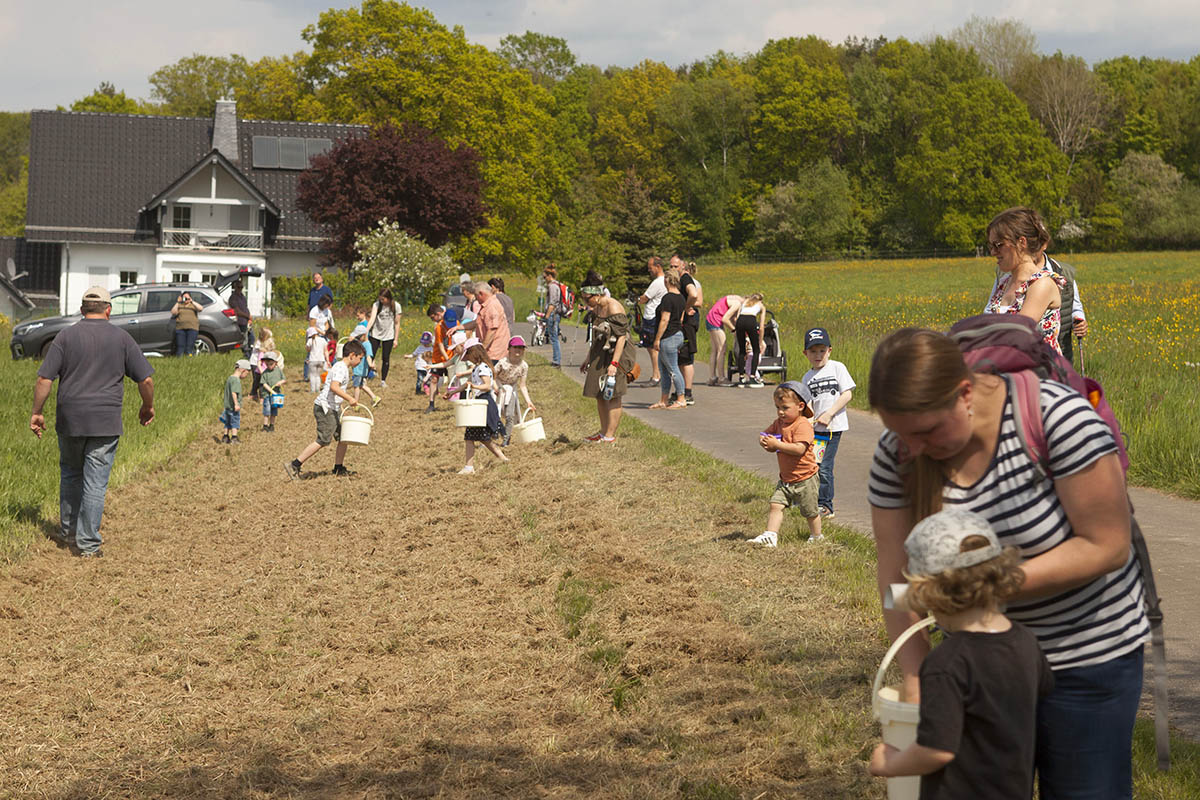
272, 381
425, 348
790, 438
231, 416
980, 687
511, 372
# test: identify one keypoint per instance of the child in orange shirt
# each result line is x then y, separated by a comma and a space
790, 438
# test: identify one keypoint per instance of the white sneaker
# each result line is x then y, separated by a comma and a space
467, 470
766, 539
383, 384
820, 537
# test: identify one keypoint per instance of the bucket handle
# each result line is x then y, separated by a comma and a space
523, 413
358, 405
913, 629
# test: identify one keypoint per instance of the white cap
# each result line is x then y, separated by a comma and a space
935, 544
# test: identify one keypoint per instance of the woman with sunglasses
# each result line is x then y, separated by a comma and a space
1016, 236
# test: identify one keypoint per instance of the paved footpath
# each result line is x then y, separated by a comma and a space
725, 422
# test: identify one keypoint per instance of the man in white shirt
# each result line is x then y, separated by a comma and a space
650, 300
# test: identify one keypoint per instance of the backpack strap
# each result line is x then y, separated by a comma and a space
1025, 387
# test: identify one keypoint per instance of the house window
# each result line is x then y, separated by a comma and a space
129, 277
181, 216
181, 277
208, 277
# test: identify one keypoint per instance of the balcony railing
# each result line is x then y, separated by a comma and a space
194, 239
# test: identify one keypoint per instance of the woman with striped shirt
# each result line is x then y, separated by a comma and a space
952, 440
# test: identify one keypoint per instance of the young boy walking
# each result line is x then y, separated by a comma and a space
790, 438
980, 687
829, 383
231, 417
327, 410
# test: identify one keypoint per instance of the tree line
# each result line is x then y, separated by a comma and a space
802, 147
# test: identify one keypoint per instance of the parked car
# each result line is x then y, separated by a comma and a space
145, 311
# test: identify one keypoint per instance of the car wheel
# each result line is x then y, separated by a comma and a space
205, 345
45, 351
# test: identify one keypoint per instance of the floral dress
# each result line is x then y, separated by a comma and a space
1051, 322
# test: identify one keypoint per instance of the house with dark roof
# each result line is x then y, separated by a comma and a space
133, 198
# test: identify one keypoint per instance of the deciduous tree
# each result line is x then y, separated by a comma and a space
811, 215
192, 85
1004, 46
1070, 102
106, 99
405, 175
547, 59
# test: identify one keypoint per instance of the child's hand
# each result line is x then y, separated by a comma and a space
768, 443
824, 419
879, 758
408, 355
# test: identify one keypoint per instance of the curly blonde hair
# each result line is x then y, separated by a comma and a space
984, 585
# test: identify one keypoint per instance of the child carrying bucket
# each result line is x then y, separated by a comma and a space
980, 687
272, 389
481, 381
511, 373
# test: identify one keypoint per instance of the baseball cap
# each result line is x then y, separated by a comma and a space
805, 395
243, 363
98, 293
359, 330
426, 337
270, 355
816, 336
935, 544
516, 341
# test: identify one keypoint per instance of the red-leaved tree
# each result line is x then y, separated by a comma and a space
401, 173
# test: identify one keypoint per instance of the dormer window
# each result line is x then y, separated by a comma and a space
181, 217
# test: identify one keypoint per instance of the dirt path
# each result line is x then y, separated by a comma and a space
554, 628
724, 422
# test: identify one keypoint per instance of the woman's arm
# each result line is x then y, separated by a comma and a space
891, 527
663, 321
1043, 294
1097, 507
727, 320
762, 326
374, 314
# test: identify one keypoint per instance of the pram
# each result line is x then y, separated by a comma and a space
772, 359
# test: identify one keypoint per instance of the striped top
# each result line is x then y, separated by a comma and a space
1087, 625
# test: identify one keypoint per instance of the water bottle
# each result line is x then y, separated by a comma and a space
609, 385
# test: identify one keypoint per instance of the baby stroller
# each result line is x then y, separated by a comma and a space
772, 359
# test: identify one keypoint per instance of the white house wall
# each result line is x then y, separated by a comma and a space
87, 265
199, 264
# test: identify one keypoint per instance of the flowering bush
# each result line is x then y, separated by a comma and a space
390, 257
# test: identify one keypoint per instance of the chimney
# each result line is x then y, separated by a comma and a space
225, 129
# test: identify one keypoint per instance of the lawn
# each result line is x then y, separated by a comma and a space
1143, 345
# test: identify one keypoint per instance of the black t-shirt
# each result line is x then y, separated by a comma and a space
91, 360
979, 697
671, 304
686, 280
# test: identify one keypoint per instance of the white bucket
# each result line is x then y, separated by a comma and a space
356, 429
470, 413
525, 432
897, 718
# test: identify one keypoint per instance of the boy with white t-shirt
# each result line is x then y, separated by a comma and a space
327, 408
830, 385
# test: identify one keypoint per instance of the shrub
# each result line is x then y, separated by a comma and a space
390, 257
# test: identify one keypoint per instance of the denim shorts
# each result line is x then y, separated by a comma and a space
356, 381
647, 332
231, 419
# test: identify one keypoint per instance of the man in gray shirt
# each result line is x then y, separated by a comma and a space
91, 360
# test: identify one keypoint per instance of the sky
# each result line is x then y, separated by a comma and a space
53, 52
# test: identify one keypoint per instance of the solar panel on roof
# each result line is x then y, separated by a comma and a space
266, 152
318, 146
292, 153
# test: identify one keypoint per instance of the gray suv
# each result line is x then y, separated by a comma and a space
145, 311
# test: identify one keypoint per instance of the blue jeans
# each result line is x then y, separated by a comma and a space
825, 494
185, 342
1085, 731
552, 331
668, 364
84, 463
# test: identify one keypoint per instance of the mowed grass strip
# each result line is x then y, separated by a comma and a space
1143, 344
583, 622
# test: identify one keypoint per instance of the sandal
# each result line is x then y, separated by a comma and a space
675, 406
656, 406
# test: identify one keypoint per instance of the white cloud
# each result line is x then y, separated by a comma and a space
56, 52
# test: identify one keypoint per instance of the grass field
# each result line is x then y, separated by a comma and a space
1143, 345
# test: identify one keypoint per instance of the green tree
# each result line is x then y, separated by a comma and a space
644, 226
279, 88
630, 134
14, 143
589, 243
804, 111
547, 59
709, 121
1158, 206
108, 100
979, 153
12, 202
387, 61
1072, 104
810, 216
192, 85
